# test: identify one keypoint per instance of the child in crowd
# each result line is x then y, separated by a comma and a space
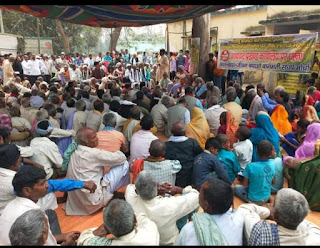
243, 149
223, 123
278, 172
292, 140
256, 186
207, 165
227, 157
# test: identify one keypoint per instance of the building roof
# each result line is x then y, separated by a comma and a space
292, 18
238, 10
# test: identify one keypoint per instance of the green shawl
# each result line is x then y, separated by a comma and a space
306, 179
207, 231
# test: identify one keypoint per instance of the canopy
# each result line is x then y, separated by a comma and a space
111, 16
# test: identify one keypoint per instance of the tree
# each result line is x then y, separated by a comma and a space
114, 37
201, 28
66, 37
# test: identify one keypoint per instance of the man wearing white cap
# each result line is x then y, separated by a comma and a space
85, 73
134, 76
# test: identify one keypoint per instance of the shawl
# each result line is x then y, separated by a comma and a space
207, 231
264, 234
231, 128
263, 131
67, 154
309, 113
307, 149
198, 128
306, 180
280, 120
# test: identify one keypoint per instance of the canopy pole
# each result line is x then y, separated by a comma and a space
38, 32
1, 22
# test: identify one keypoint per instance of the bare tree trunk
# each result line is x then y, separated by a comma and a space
114, 38
201, 28
65, 38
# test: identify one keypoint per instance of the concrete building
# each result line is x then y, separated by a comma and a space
254, 20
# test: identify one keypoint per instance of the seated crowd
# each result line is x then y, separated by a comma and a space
94, 138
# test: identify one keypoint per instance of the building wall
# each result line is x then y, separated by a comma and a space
276, 9
229, 26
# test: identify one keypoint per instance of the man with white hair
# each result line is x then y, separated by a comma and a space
255, 106
85, 162
164, 211
268, 103
127, 227
288, 211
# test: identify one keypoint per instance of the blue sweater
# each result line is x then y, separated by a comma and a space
207, 165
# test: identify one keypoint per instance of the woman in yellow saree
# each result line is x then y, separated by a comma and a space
280, 120
198, 128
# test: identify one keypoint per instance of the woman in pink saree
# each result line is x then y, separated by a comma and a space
308, 147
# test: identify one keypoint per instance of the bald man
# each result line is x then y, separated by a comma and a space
179, 147
86, 162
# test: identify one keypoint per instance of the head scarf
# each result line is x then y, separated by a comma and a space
231, 128
36, 102
309, 113
306, 150
5, 121
9, 155
264, 131
181, 67
43, 132
280, 120
198, 128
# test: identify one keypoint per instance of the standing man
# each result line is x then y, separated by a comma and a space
7, 69
26, 67
35, 69
89, 61
187, 64
209, 68
217, 73
173, 66
163, 65
181, 59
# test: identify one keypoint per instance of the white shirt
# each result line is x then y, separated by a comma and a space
86, 164
243, 150
212, 115
165, 211
43, 68
146, 233
34, 67
230, 224
26, 67
75, 75
89, 62
46, 153
307, 232
140, 144
12, 211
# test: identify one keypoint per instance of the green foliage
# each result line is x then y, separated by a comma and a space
80, 37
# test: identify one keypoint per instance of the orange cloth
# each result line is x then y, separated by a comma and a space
138, 127
198, 128
309, 113
280, 120
231, 128
137, 166
111, 141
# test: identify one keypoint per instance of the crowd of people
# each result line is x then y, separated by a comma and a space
90, 127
